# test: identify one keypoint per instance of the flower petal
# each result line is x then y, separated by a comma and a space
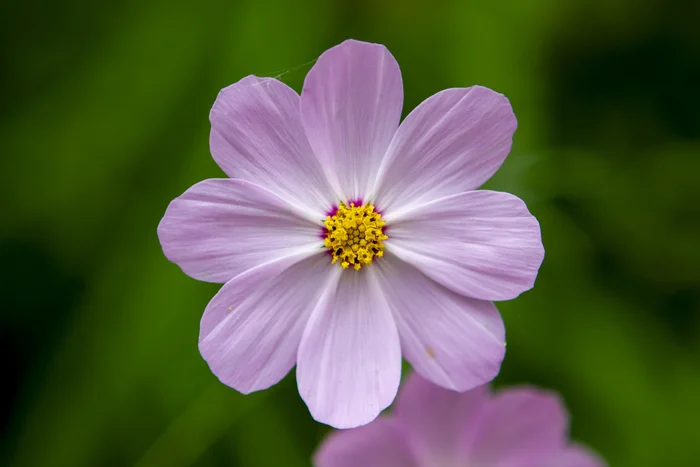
351, 107
522, 427
349, 363
576, 456
250, 331
257, 135
452, 142
437, 420
220, 228
482, 244
378, 444
454, 341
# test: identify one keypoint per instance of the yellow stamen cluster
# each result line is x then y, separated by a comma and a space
354, 235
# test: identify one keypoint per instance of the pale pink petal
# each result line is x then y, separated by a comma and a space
520, 427
483, 244
257, 135
437, 420
349, 362
378, 444
454, 341
351, 107
250, 331
220, 228
452, 142
576, 456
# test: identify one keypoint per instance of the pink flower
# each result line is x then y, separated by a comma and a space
345, 240
435, 427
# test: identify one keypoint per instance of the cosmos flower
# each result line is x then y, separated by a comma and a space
346, 241
434, 427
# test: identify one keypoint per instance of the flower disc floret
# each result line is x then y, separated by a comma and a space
354, 235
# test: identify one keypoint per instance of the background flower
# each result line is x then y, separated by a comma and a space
434, 427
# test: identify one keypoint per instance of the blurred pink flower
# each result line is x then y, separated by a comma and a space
434, 427
345, 240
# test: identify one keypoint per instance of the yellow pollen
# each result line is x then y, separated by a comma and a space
354, 235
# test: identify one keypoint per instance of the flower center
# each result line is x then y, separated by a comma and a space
354, 235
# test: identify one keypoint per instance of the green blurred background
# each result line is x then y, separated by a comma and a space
104, 120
